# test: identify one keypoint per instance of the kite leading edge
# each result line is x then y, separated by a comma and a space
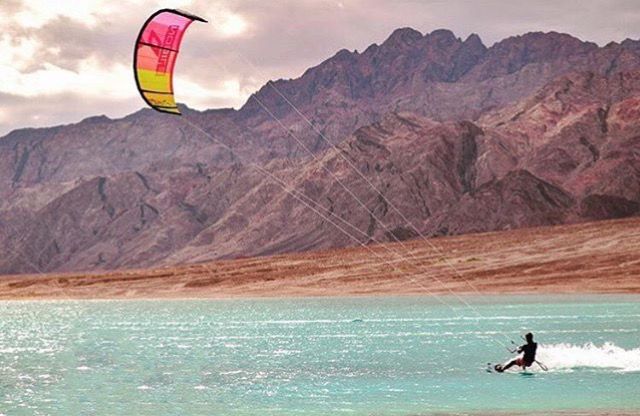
155, 54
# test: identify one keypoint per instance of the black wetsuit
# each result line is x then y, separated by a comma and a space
529, 351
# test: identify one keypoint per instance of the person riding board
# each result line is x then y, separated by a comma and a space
528, 356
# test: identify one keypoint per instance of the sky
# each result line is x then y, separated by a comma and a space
62, 61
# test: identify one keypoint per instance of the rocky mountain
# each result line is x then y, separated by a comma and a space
432, 133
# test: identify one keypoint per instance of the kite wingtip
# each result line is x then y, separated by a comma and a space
190, 16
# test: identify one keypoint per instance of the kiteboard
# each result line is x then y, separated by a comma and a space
496, 368
491, 368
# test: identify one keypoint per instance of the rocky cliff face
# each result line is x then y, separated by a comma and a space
456, 137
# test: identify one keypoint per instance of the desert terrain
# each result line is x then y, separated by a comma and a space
597, 257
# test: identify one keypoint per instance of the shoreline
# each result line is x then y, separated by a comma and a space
589, 258
529, 298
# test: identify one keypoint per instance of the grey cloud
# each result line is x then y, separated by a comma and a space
76, 42
110, 40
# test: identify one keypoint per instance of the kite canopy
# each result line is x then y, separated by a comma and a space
155, 56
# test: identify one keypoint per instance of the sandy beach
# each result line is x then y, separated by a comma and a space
599, 257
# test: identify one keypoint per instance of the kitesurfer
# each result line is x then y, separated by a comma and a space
527, 359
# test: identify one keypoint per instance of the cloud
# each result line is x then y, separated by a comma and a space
19, 112
89, 80
80, 52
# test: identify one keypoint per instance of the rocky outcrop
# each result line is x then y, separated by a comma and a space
515, 201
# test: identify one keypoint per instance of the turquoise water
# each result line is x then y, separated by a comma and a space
380, 356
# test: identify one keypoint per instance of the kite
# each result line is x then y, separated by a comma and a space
155, 56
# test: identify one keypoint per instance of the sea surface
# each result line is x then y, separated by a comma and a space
351, 356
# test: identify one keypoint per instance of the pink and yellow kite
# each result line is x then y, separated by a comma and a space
155, 56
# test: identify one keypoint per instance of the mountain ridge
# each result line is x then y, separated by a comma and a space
537, 129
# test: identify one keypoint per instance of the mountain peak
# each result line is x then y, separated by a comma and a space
513, 53
96, 119
444, 34
545, 40
443, 38
405, 35
474, 40
343, 55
